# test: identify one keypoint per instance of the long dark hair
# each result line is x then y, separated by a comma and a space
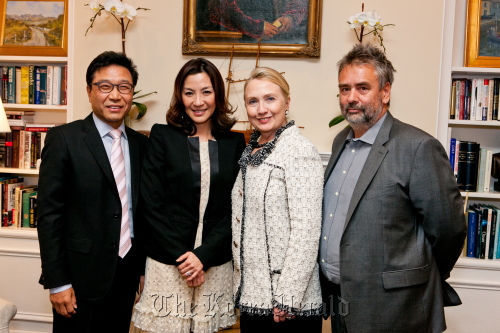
176, 115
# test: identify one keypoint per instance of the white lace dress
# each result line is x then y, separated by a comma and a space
168, 305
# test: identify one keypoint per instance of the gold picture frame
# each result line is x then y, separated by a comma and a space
219, 39
482, 39
34, 28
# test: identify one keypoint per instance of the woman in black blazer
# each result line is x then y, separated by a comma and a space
188, 173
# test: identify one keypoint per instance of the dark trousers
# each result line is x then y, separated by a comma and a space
332, 301
111, 313
266, 324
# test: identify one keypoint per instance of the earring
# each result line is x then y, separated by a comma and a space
286, 113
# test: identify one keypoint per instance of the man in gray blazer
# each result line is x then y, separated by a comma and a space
393, 222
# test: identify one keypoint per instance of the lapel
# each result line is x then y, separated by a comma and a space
94, 143
372, 164
337, 148
135, 164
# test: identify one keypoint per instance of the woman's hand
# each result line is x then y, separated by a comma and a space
281, 315
191, 266
197, 281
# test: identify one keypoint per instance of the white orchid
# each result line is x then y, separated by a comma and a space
95, 6
367, 20
129, 12
114, 6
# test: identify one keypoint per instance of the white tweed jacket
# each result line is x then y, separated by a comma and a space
276, 225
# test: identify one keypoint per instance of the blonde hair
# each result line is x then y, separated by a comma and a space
266, 73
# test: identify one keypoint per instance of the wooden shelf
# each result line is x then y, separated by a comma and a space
20, 233
475, 263
474, 70
482, 195
493, 123
34, 107
32, 59
19, 171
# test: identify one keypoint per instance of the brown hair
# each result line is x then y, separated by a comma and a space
176, 115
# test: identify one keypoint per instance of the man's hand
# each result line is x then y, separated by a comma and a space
140, 288
269, 31
190, 267
286, 24
64, 302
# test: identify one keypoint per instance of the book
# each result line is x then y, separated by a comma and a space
43, 85
467, 166
481, 169
495, 99
10, 200
33, 211
34, 127
487, 170
485, 95
471, 233
5, 84
31, 87
56, 85
11, 95
15, 148
26, 207
453, 99
479, 99
48, 85
490, 99
8, 150
473, 100
492, 233
27, 149
18, 85
64, 84
453, 142
487, 215
25, 84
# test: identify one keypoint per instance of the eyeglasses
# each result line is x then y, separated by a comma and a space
106, 87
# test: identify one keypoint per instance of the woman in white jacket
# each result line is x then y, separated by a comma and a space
276, 218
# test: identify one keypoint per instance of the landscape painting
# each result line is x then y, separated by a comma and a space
34, 27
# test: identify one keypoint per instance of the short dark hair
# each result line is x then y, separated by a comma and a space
366, 54
110, 58
221, 119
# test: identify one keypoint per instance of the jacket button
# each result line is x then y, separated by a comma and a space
114, 244
117, 214
237, 269
235, 244
237, 219
241, 193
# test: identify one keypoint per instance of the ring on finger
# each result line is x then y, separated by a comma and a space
188, 274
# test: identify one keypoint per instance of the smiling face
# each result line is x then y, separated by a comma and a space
198, 97
266, 106
362, 102
111, 107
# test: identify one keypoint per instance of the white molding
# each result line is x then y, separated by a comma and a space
34, 317
478, 264
19, 233
19, 253
325, 157
474, 285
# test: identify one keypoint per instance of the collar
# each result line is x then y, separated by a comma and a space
104, 128
370, 135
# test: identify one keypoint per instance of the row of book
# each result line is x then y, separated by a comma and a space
474, 99
22, 147
32, 84
472, 165
17, 202
483, 237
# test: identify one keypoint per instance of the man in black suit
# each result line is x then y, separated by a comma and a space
91, 260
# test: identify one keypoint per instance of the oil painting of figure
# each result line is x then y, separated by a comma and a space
271, 21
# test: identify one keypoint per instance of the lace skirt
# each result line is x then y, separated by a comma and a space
168, 305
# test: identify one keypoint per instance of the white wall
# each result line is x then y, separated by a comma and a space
154, 42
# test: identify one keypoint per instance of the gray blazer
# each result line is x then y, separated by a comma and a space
404, 231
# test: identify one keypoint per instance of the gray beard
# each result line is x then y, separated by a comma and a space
367, 118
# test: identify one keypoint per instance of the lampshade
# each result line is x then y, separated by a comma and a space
4, 124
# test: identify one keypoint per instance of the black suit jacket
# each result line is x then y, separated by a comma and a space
79, 209
171, 197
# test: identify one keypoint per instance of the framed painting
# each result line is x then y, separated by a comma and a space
482, 40
279, 28
34, 27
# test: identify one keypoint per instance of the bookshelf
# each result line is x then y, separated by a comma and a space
477, 281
